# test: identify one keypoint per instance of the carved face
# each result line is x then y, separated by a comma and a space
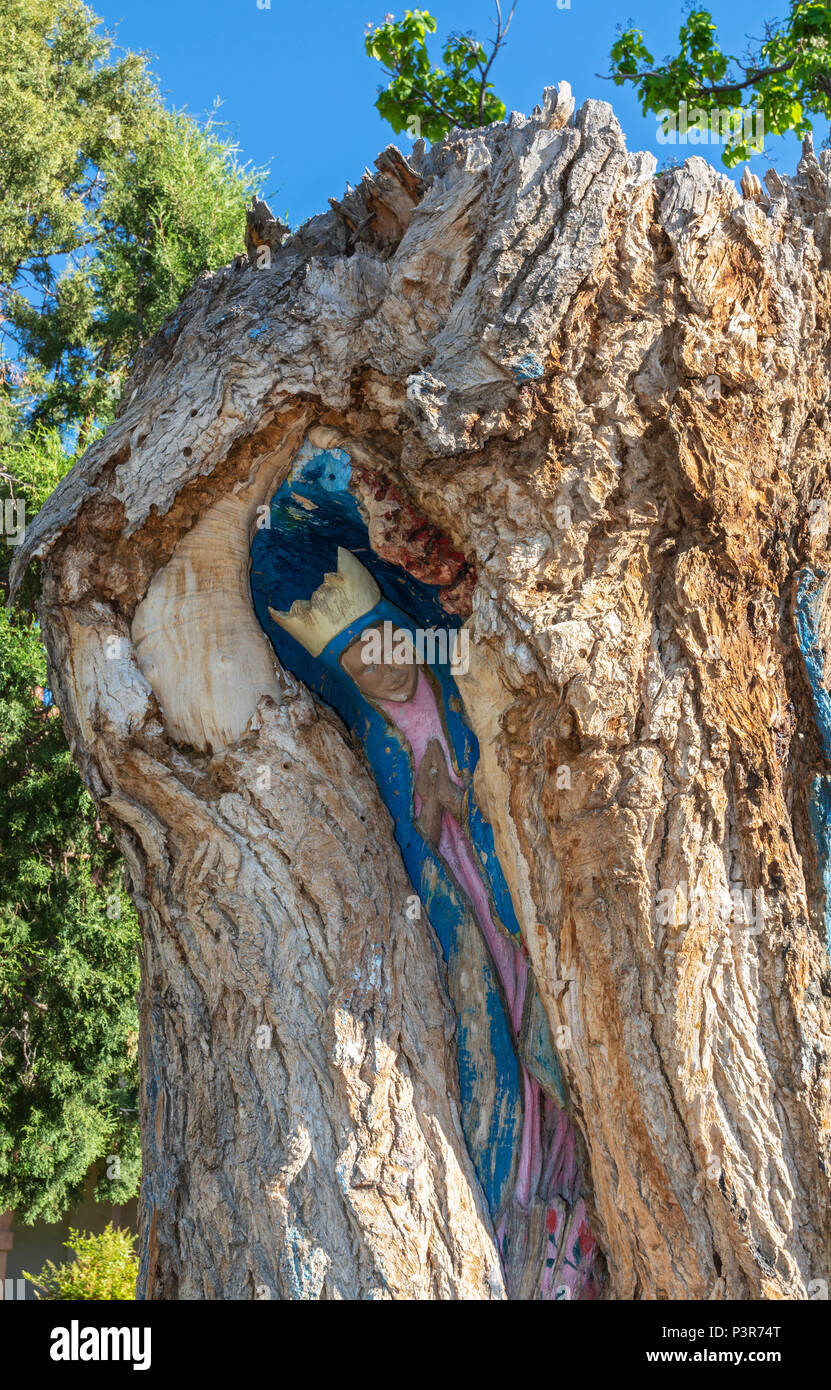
395, 679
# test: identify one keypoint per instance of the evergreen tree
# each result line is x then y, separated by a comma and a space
110, 206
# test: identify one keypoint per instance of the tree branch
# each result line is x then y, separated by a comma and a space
501, 35
719, 89
426, 97
44, 1008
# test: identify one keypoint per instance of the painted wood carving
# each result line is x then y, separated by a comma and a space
377, 644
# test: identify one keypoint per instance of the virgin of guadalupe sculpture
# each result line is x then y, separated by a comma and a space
524, 1143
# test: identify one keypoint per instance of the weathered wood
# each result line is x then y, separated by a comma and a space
610, 393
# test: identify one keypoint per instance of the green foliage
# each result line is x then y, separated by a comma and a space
59, 101
173, 208
32, 464
110, 206
104, 1268
787, 79
427, 100
68, 961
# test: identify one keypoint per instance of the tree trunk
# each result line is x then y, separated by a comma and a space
606, 394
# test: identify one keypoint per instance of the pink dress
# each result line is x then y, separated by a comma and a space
547, 1169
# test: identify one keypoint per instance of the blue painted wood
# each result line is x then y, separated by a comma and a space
810, 596
311, 515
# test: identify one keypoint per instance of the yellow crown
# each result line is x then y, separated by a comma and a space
340, 600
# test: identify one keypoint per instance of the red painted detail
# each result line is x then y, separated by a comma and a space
402, 535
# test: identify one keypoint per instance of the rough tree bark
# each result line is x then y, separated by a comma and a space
610, 392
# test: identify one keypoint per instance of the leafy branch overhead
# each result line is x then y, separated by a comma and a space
785, 78
427, 100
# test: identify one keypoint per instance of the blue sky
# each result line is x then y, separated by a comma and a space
298, 90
